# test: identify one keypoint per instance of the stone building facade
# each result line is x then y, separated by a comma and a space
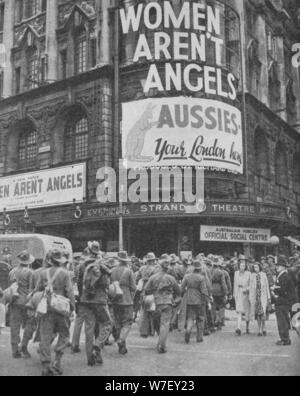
58, 108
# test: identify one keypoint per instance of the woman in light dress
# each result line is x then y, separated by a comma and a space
2, 316
242, 279
260, 298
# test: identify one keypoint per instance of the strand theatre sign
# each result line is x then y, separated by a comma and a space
45, 188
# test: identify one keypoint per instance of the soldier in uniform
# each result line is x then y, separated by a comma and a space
284, 294
93, 289
194, 285
21, 276
91, 253
164, 287
53, 323
229, 288
123, 306
220, 291
143, 276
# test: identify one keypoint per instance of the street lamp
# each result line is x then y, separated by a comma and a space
274, 241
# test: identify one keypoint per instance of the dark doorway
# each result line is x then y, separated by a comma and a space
154, 237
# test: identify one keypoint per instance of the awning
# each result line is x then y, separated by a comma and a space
293, 240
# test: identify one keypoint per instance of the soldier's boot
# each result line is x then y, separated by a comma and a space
247, 327
47, 372
122, 347
187, 337
98, 356
161, 349
56, 367
199, 334
16, 354
25, 353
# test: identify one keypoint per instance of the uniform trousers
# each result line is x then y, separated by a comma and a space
283, 322
123, 315
163, 317
18, 319
53, 324
96, 314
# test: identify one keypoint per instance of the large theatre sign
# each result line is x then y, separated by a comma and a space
51, 187
191, 55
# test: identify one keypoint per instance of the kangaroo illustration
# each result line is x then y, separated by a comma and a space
137, 136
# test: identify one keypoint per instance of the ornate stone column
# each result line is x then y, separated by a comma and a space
8, 41
51, 41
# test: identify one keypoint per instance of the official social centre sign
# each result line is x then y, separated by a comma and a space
231, 234
184, 45
182, 132
51, 187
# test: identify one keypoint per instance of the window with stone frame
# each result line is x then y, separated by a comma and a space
27, 149
274, 87
76, 137
281, 165
33, 68
2, 10
290, 102
1, 84
81, 52
296, 173
262, 155
19, 10
254, 67
32, 8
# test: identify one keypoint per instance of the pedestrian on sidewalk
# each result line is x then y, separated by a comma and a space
123, 304
163, 287
143, 276
284, 294
260, 298
94, 308
241, 294
229, 290
194, 286
54, 281
2, 313
21, 277
89, 256
219, 291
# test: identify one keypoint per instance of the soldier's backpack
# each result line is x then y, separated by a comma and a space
91, 275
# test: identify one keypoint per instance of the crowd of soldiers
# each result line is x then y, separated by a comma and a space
107, 295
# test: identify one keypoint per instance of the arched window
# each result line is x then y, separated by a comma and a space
33, 68
281, 165
296, 173
261, 150
81, 52
77, 137
27, 149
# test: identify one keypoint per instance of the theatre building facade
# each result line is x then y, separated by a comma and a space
186, 84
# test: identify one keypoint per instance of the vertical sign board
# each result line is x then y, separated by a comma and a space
187, 47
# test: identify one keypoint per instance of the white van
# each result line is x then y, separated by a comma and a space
36, 244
